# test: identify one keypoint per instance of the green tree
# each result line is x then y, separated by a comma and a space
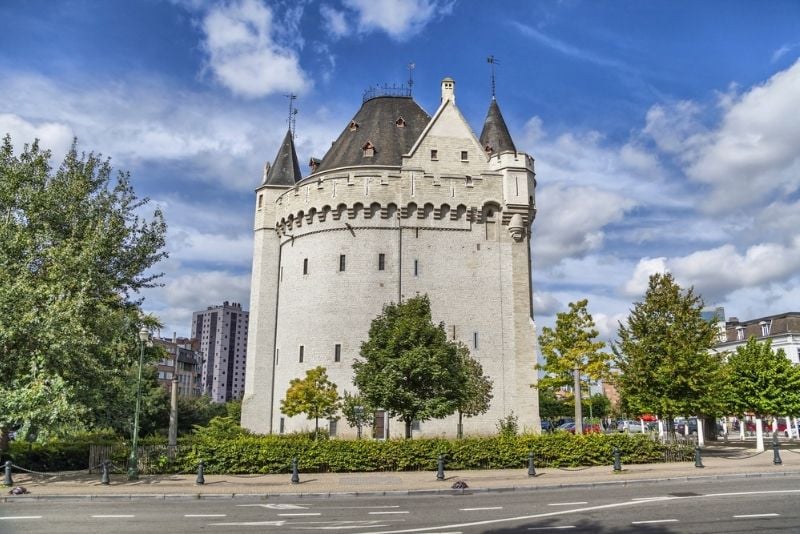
664, 358
357, 412
476, 388
551, 408
74, 251
409, 368
572, 356
314, 395
198, 411
762, 381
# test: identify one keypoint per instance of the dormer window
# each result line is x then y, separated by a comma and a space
369, 149
400, 122
353, 126
739, 333
765, 328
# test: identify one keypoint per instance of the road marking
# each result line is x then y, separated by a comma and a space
383, 513
660, 498
299, 514
250, 524
552, 528
355, 507
573, 511
651, 521
114, 516
205, 515
755, 515
566, 503
21, 517
278, 506
484, 508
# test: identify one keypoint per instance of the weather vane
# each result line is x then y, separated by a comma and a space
493, 61
292, 112
411, 67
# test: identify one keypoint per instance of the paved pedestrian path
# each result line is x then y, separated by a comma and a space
719, 462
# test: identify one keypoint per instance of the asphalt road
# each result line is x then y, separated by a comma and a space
736, 505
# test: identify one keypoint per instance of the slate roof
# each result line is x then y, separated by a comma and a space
782, 324
286, 169
376, 123
495, 132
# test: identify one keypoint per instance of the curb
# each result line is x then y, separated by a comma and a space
385, 493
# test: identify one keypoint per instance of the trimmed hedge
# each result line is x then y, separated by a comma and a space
250, 454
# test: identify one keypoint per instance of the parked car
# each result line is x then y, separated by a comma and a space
587, 428
547, 426
629, 425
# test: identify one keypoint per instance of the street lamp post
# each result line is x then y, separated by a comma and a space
133, 461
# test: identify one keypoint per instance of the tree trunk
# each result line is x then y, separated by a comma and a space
408, 428
316, 427
578, 407
460, 429
4, 439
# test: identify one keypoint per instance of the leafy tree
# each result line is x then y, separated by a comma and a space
357, 412
74, 249
571, 349
198, 411
314, 395
409, 368
762, 381
551, 407
663, 355
476, 388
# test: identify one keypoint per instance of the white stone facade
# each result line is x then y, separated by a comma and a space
454, 228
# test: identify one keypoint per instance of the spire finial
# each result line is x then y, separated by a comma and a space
411, 68
292, 112
493, 61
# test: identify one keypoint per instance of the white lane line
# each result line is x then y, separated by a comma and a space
113, 516
356, 507
205, 515
652, 521
250, 524
661, 498
21, 517
484, 508
566, 503
384, 513
299, 514
745, 516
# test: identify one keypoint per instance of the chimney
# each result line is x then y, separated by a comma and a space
449, 89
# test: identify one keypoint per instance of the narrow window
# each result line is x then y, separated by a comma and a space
416, 267
381, 262
739, 333
332, 427
302, 351
453, 334
260, 201
434, 155
342, 262
337, 352
281, 274
277, 355
415, 425
283, 426
464, 155
305, 266
475, 340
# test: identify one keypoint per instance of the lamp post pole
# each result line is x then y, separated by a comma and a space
133, 461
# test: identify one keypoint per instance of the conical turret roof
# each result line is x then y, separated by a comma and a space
495, 136
286, 169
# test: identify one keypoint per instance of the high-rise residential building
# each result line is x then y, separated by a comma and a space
403, 204
221, 336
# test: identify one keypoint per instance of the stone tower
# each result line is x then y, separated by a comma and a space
402, 204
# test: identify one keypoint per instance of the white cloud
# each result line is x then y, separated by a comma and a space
400, 19
54, 136
637, 285
783, 50
570, 221
545, 303
752, 154
334, 20
243, 55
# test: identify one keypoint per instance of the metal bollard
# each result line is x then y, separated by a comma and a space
698, 460
8, 481
104, 480
295, 472
201, 473
775, 450
531, 468
617, 461
440, 468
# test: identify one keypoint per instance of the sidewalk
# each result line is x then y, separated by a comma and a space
720, 462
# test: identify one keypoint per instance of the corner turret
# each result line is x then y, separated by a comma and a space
286, 169
495, 138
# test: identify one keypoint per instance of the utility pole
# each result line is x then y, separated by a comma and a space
173, 401
578, 407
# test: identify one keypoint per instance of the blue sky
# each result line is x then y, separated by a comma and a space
666, 134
